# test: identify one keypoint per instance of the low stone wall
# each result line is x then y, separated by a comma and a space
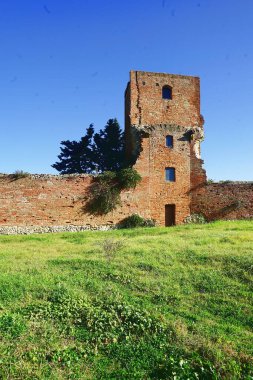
27, 230
227, 200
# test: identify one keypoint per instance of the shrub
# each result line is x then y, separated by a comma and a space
107, 177
195, 219
110, 247
19, 174
128, 178
136, 220
225, 181
149, 222
104, 193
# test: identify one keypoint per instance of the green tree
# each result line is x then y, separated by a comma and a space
109, 147
95, 152
77, 156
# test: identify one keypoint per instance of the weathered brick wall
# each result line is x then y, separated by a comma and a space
151, 166
59, 200
148, 107
223, 200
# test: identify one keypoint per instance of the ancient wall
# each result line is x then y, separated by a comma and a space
47, 200
228, 200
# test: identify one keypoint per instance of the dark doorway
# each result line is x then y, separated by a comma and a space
170, 215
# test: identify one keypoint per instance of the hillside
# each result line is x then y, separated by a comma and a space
158, 303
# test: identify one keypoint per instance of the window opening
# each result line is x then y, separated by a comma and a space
170, 175
167, 92
169, 141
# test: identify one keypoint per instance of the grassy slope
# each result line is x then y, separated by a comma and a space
170, 302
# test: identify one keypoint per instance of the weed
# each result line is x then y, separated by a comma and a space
18, 174
12, 325
110, 247
195, 219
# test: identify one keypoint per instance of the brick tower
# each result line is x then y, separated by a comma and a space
163, 129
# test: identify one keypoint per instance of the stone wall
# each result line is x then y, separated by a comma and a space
228, 200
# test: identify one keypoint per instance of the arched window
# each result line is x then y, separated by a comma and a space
167, 92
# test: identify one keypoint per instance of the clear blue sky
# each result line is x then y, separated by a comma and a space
65, 63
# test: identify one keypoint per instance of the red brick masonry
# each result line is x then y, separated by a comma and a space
57, 200
231, 200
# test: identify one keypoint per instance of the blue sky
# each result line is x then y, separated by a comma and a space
65, 64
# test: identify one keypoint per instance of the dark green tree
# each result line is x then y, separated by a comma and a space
77, 156
95, 152
108, 147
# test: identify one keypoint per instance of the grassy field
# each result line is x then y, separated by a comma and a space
156, 303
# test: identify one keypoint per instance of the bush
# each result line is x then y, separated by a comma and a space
104, 193
195, 219
19, 174
128, 178
149, 222
225, 181
110, 247
136, 220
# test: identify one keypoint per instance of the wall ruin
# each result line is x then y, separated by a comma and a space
227, 200
47, 200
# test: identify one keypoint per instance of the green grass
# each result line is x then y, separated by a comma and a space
166, 303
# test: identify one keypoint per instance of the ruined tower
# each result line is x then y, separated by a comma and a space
164, 128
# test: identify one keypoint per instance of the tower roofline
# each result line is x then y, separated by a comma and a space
163, 74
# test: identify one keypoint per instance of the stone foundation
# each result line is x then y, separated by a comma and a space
27, 230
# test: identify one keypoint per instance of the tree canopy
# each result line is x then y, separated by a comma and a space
94, 152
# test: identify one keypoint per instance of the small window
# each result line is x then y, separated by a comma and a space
170, 174
167, 92
169, 141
